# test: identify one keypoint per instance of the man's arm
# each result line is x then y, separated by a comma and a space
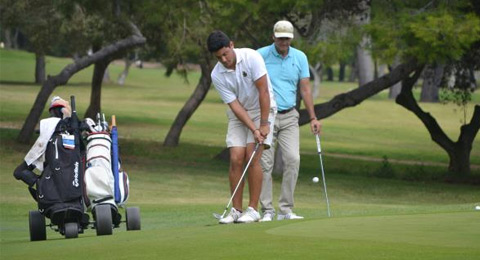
264, 99
305, 91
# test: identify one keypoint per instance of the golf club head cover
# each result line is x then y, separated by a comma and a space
24, 172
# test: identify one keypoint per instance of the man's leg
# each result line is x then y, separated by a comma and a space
237, 156
288, 141
255, 175
267, 162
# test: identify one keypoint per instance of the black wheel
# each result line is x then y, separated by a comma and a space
37, 226
71, 230
133, 218
103, 220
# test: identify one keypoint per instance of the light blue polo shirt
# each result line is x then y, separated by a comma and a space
285, 73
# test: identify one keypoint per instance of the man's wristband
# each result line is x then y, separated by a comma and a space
264, 122
313, 118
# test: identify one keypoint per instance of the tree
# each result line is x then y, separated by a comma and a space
40, 22
62, 78
435, 33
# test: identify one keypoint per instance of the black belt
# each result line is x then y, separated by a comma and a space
285, 111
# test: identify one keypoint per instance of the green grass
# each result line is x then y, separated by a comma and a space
412, 215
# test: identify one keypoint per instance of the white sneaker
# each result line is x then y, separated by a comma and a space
250, 215
233, 216
268, 216
290, 215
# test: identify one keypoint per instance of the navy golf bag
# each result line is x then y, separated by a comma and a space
58, 189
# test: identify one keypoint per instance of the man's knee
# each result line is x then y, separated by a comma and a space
290, 158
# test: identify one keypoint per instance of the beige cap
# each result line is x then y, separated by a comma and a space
283, 29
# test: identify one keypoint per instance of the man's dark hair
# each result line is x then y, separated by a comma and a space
217, 40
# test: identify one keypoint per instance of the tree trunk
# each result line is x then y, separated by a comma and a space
432, 77
191, 105
62, 78
458, 152
96, 91
364, 64
106, 76
329, 74
316, 79
123, 76
356, 96
341, 72
8, 38
15, 43
353, 72
395, 89
39, 68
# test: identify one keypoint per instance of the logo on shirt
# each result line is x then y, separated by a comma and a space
244, 74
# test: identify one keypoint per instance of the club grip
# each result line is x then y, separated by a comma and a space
72, 104
319, 147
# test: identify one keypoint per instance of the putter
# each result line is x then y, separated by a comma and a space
218, 216
319, 149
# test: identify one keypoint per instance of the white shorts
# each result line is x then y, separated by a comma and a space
238, 135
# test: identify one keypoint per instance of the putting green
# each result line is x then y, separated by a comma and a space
442, 230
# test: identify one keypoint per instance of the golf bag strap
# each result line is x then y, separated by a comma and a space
33, 192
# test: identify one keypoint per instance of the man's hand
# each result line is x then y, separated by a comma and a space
316, 126
259, 138
264, 130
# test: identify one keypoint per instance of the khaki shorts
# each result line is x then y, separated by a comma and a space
238, 135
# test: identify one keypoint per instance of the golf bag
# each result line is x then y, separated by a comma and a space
58, 189
99, 177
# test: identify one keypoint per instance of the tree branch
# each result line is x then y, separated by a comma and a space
358, 95
406, 99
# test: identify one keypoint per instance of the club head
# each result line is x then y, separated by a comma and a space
217, 216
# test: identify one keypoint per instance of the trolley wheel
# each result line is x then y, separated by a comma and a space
37, 227
103, 220
71, 230
133, 218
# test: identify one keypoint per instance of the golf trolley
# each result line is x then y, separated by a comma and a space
63, 190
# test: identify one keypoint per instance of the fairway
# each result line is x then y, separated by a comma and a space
419, 236
381, 209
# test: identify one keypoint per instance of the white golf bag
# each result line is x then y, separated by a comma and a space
99, 178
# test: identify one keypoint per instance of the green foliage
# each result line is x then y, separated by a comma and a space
442, 36
430, 34
459, 96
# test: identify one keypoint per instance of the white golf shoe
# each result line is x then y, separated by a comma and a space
233, 216
250, 215
268, 216
290, 215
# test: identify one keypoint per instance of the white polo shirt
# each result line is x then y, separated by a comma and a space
240, 83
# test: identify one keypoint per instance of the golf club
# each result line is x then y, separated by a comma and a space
319, 149
218, 216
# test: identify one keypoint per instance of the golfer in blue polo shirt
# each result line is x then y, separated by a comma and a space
287, 68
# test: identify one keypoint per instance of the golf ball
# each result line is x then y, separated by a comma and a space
477, 207
315, 179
